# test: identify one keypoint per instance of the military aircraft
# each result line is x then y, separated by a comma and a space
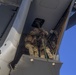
18, 18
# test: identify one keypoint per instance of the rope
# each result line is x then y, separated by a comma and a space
44, 46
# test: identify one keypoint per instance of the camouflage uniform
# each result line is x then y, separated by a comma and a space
36, 41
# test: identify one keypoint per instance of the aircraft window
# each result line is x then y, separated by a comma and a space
38, 22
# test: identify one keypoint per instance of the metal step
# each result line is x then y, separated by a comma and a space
28, 65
